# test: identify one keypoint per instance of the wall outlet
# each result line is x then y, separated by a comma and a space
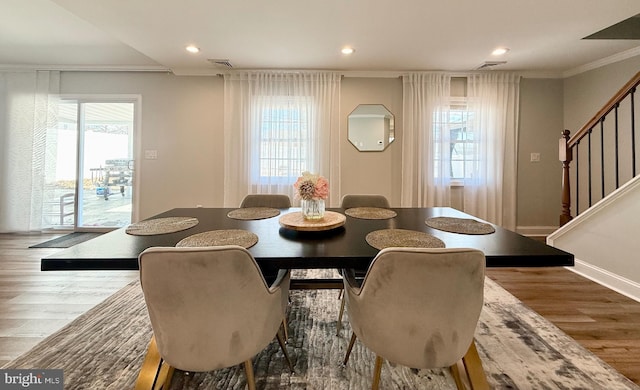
535, 157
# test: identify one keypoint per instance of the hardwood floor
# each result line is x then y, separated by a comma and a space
601, 320
34, 304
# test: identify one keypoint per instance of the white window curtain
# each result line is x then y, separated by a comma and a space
425, 102
493, 97
27, 106
489, 183
277, 125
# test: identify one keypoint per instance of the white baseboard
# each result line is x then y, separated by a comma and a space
536, 230
608, 279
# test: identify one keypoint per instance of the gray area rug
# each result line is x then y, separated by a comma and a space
104, 348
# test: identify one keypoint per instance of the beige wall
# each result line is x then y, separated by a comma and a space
371, 172
588, 92
182, 118
539, 183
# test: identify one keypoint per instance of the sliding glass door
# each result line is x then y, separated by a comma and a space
91, 148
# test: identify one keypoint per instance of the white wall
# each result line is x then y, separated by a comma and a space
604, 240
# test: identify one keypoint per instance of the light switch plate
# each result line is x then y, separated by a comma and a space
150, 154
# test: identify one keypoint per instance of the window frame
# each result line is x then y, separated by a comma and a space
458, 106
281, 125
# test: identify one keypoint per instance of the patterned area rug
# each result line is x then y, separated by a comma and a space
104, 348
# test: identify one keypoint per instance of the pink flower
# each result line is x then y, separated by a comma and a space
311, 186
322, 188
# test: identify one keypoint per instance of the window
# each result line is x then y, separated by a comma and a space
278, 125
455, 149
283, 135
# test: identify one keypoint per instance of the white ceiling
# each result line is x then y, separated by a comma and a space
544, 36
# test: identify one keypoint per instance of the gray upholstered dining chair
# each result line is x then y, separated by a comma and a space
419, 307
358, 200
276, 201
364, 200
210, 308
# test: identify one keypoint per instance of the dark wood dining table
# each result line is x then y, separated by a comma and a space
285, 248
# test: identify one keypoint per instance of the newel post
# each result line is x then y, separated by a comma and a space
566, 155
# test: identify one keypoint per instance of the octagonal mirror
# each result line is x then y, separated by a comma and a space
371, 127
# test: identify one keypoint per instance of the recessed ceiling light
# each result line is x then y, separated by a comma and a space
500, 51
192, 49
347, 50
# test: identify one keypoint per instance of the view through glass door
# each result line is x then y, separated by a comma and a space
91, 148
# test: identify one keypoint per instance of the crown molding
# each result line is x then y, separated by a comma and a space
85, 68
603, 62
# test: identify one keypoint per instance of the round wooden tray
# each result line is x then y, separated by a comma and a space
295, 221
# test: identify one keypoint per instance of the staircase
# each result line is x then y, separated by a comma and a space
603, 187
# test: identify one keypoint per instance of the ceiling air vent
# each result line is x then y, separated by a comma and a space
221, 63
490, 64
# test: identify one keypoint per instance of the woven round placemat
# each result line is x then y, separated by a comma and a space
460, 225
370, 213
239, 237
166, 225
386, 238
251, 213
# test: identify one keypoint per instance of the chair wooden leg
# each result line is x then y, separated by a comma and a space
150, 370
164, 377
170, 376
285, 328
284, 349
339, 324
248, 370
376, 373
349, 348
457, 371
473, 366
